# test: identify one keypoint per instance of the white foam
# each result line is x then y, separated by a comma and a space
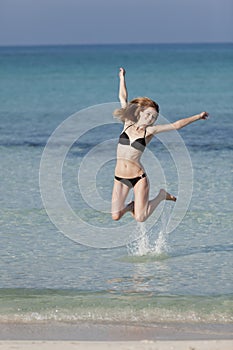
152, 242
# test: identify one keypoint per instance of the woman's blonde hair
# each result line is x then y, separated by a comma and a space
134, 107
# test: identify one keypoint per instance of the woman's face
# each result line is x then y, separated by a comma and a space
148, 116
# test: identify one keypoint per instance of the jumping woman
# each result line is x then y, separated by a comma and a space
138, 116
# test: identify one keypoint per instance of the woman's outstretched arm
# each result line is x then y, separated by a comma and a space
179, 124
123, 94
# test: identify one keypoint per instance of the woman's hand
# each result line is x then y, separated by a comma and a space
122, 73
203, 115
123, 94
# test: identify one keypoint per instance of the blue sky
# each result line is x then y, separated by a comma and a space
36, 22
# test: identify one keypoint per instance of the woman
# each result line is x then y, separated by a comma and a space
138, 116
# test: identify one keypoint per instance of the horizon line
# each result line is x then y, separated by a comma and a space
118, 44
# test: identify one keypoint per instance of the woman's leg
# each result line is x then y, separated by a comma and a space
143, 208
119, 194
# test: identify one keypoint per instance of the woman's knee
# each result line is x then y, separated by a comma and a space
116, 216
140, 217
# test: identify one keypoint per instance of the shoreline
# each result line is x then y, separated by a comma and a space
102, 332
90, 336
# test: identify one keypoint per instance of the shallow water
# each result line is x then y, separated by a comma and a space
185, 275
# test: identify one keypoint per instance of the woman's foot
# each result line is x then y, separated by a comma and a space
167, 196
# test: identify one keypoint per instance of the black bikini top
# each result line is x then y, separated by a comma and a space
138, 144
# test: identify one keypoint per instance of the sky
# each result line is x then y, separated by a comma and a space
45, 22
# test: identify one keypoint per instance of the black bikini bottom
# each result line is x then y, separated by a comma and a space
130, 182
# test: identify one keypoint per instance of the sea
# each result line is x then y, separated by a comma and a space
114, 272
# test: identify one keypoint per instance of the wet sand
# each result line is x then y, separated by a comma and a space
88, 336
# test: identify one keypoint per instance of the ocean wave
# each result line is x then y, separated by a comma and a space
126, 316
22, 143
112, 307
83, 147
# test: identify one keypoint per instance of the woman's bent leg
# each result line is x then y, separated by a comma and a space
163, 195
119, 194
143, 208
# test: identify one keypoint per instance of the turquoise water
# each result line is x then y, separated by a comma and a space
185, 275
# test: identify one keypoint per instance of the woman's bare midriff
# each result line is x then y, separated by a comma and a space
128, 169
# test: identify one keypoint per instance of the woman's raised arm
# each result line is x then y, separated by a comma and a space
123, 94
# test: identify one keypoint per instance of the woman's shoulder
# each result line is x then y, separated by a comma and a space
150, 130
127, 123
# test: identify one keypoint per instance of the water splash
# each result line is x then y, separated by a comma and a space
152, 242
